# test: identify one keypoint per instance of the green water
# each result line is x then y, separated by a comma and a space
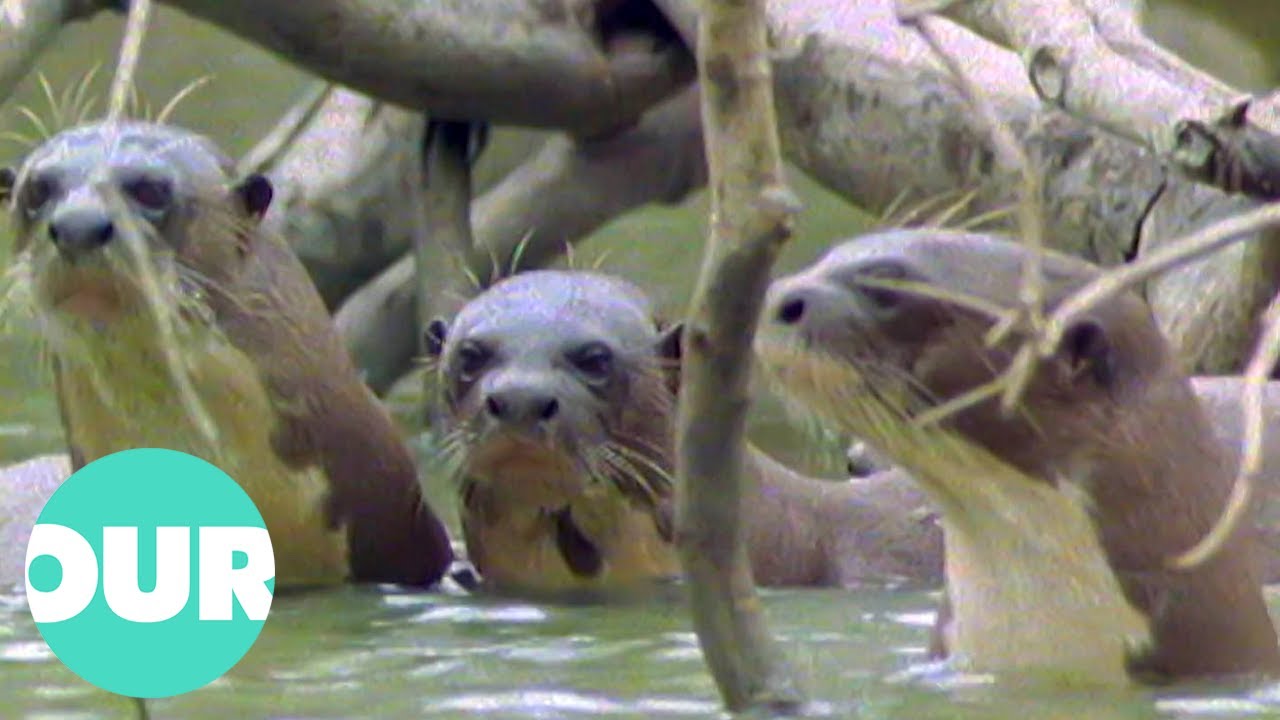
361, 653
366, 653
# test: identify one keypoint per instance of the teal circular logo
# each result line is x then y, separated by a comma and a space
150, 573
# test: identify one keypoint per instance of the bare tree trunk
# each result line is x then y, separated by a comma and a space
751, 215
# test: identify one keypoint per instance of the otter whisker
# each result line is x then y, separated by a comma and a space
17, 138
453, 451
888, 217
182, 94
517, 255
990, 310
15, 293
55, 108
495, 266
37, 124
946, 214
81, 103
471, 276
599, 262
657, 483
205, 284
570, 260
621, 474
980, 220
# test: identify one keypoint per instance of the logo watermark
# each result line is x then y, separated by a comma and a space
150, 573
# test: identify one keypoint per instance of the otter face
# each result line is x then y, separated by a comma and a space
94, 202
870, 356
552, 379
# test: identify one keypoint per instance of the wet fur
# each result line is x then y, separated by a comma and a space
1059, 519
208, 337
612, 473
588, 505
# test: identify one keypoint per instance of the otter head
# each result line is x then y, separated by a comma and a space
851, 338
554, 380
99, 208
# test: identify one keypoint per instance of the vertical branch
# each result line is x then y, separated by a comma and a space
444, 237
135, 30
751, 214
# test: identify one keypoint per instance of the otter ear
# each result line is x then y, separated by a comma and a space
1085, 348
8, 178
433, 338
670, 349
255, 194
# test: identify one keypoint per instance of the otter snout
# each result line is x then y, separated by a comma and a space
520, 402
78, 229
804, 304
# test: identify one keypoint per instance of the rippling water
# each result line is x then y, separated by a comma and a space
362, 652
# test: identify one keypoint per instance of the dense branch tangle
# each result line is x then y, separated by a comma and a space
863, 107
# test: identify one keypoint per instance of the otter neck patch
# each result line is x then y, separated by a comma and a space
579, 553
149, 573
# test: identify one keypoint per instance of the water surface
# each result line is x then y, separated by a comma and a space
367, 652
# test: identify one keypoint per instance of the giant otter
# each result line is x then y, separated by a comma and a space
173, 320
558, 395
1060, 520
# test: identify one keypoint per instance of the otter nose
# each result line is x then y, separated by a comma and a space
80, 232
521, 405
790, 306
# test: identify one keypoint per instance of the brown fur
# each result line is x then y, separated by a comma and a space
802, 531
294, 425
1108, 469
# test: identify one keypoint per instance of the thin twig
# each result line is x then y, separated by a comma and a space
1255, 382
1031, 223
268, 151
135, 31
1179, 252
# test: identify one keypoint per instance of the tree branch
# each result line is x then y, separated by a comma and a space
561, 64
1200, 126
751, 214
866, 109
342, 189
26, 29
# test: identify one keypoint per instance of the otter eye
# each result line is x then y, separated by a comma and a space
594, 360
150, 193
871, 283
471, 359
36, 194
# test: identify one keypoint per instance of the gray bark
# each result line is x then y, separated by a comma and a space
863, 107
561, 64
